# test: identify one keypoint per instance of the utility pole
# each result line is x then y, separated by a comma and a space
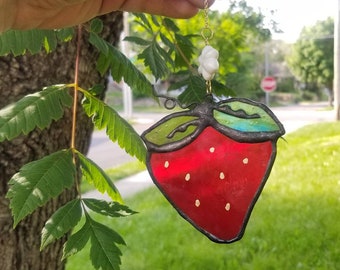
266, 67
336, 82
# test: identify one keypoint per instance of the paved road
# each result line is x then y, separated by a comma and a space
107, 154
294, 117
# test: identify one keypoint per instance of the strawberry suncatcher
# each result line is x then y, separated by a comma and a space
212, 162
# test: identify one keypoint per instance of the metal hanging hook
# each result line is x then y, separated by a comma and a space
207, 33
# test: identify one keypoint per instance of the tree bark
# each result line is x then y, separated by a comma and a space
19, 76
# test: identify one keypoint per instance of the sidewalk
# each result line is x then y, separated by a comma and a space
127, 187
102, 151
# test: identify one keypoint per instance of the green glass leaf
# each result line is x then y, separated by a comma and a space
171, 130
39, 181
112, 209
117, 128
104, 252
35, 110
120, 66
96, 176
247, 116
61, 222
76, 242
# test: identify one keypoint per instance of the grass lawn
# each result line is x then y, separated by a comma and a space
295, 224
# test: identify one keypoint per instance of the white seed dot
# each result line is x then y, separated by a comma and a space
187, 177
227, 207
245, 161
197, 203
166, 164
212, 149
222, 176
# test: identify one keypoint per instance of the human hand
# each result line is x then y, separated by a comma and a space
49, 14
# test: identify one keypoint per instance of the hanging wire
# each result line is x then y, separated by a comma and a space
171, 102
207, 34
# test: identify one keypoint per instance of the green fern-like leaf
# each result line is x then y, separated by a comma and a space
111, 209
195, 89
36, 110
137, 40
61, 222
39, 181
76, 242
117, 128
96, 176
156, 59
184, 46
104, 252
18, 42
120, 66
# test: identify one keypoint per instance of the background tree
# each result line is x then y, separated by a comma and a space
19, 76
311, 60
237, 33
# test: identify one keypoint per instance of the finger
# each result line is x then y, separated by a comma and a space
201, 3
173, 8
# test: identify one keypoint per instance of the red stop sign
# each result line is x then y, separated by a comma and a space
268, 84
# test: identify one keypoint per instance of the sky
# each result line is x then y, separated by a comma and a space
291, 15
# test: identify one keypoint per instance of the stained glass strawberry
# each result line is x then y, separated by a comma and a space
212, 162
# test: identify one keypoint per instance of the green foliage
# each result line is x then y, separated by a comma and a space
244, 29
104, 253
96, 176
117, 128
39, 181
154, 58
312, 57
111, 209
120, 66
195, 89
61, 222
18, 42
35, 110
77, 241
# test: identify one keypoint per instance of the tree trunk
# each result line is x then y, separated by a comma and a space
19, 76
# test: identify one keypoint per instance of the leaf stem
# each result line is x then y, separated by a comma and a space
75, 90
173, 39
74, 109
